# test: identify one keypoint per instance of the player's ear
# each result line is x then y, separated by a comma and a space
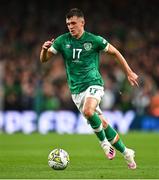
83, 22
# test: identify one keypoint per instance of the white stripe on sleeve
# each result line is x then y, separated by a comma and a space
106, 48
53, 50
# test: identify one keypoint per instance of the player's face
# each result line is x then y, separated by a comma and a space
75, 26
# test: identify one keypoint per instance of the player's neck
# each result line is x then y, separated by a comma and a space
80, 34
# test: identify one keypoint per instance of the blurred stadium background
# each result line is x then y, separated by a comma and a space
31, 91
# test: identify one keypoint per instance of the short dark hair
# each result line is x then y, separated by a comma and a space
74, 12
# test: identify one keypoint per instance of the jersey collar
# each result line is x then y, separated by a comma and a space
80, 37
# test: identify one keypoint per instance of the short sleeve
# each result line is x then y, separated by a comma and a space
102, 43
56, 46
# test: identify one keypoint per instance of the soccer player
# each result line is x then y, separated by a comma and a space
80, 51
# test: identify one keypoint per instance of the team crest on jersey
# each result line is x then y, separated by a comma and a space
87, 46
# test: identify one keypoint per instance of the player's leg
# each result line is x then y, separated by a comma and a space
112, 135
88, 108
93, 118
89, 111
114, 138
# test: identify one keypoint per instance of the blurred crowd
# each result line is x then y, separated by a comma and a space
131, 26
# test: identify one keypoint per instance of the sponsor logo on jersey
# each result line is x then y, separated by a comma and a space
87, 46
68, 45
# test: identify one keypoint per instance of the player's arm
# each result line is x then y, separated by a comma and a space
131, 76
46, 53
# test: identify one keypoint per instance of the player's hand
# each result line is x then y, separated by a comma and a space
133, 79
47, 44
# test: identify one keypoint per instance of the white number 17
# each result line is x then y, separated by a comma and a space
76, 53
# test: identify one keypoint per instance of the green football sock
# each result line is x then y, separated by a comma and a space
114, 138
96, 124
119, 145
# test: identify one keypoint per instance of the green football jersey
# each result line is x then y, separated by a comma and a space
81, 58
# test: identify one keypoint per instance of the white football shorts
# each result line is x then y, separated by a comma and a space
94, 91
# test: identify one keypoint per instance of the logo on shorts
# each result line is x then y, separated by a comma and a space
87, 46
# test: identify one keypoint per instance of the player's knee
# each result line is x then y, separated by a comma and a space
88, 112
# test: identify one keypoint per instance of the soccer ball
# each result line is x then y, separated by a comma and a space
58, 159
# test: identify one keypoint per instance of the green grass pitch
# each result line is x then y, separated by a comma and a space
25, 157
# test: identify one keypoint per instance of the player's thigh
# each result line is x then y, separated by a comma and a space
94, 94
90, 103
93, 97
